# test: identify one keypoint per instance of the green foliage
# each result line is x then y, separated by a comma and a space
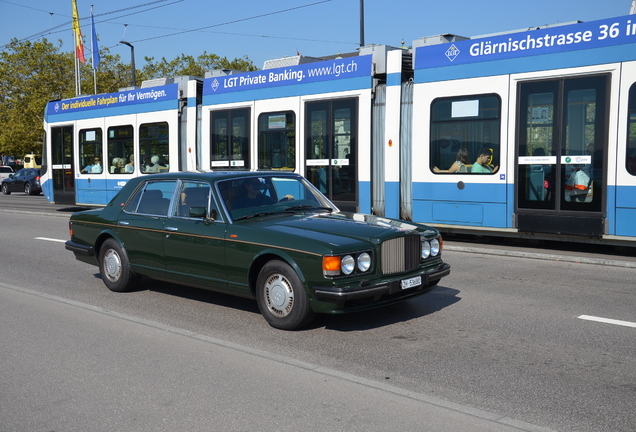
33, 73
188, 65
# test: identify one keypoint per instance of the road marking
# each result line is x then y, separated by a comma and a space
608, 321
50, 239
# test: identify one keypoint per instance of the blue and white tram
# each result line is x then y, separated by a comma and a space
544, 121
556, 108
96, 143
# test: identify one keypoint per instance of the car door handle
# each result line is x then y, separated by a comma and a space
172, 229
124, 223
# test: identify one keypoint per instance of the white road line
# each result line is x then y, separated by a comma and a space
50, 239
608, 321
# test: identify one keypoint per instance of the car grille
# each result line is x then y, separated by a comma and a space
401, 254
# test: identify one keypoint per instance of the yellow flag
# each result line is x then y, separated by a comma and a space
79, 46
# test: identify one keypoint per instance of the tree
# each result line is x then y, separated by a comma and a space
188, 65
31, 73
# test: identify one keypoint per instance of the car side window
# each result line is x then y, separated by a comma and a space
194, 195
153, 199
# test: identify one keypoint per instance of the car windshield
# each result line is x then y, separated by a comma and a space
269, 194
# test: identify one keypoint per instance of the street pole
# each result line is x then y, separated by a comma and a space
132, 62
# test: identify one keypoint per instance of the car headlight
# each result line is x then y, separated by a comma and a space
364, 262
347, 264
435, 247
426, 249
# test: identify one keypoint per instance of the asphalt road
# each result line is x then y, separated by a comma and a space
509, 341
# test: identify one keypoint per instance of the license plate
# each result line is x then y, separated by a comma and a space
411, 282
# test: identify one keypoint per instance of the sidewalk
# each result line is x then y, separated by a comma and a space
567, 253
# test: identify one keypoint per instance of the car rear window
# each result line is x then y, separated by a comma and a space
6, 170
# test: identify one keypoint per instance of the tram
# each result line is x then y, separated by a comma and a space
94, 144
543, 120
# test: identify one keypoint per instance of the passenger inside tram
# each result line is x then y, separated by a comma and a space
482, 164
461, 164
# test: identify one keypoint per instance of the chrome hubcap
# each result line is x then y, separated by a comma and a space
279, 295
112, 265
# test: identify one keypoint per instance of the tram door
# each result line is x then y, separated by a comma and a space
561, 156
331, 137
62, 165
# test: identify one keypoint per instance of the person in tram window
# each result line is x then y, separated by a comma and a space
113, 167
481, 165
153, 167
460, 164
96, 168
130, 166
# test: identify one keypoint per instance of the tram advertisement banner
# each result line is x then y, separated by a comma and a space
337, 69
122, 99
559, 39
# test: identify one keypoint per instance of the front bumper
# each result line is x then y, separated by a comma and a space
388, 291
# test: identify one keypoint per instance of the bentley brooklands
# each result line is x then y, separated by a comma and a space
264, 235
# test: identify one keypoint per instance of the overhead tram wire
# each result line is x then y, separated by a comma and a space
65, 26
233, 22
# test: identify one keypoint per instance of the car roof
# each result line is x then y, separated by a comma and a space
214, 176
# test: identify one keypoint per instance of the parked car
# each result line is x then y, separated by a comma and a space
26, 180
269, 236
5, 171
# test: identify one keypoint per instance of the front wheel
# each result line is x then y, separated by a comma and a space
115, 268
5, 189
281, 297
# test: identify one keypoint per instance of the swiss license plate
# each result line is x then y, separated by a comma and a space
411, 282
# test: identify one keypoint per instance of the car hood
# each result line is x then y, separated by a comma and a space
336, 228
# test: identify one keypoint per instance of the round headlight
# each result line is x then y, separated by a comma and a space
426, 249
435, 249
364, 262
347, 264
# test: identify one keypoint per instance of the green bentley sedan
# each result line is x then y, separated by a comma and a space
269, 236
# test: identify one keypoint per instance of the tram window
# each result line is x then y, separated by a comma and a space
90, 151
630, 161
120, 150
461, 125
154, 148
230, 139
277, 141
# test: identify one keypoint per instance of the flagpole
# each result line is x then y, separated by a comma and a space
77, 78
79, 48
95, 49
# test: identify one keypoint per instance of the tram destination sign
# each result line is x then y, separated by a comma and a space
560, 39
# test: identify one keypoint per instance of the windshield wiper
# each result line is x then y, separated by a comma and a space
253, 215
308, 207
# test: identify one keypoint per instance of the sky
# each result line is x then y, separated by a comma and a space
264, 30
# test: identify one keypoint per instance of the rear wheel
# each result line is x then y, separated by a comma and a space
115, 268
27, 189
5, 189
281, 297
